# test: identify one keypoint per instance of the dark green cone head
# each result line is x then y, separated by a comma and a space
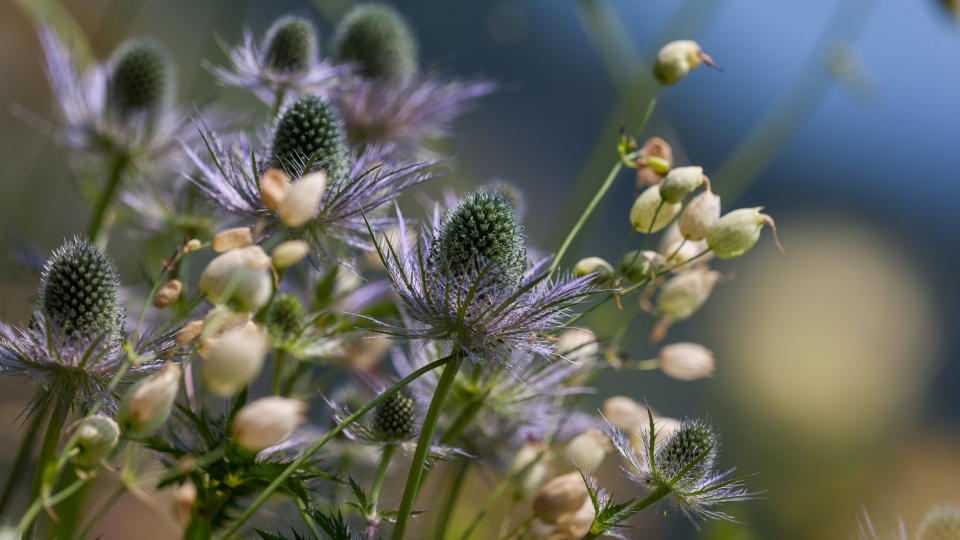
942, 523
378, 39
286, 315
310, 128
80, 290
512, 193
291, 45
482, 230
693, 440
395, 417
141, 77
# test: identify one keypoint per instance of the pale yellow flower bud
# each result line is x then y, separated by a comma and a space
220, 321
530, 481
594, 265
676, 59
646, 207
574, 525
700, 214
240, 278
683, 295
736, 232
184, 497
302, 201
679, 182
236, 238
97, 436
146, 405
233, 360
588, 449
686, 361
274, 185
623, 412
562, 495
638, 266
268, 421
192, 245
167, 293
289, 253
190, 332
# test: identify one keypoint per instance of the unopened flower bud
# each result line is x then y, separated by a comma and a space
942, 523
236, 238
676, 59
686, 361
588, 449
736, 232
679, 182
146, 405
232, 361
97, 436
289, 253
700, 214
240, 278
274, 185
376, 39
647, 213
184, 497
141, 77
562, 495
303, 200
167, 293
623, 412
290, 45
575, 525
638, 266
535, 475
594, 265
192, 245
221, 321
654, 160
683, 295
268, 421
190, 332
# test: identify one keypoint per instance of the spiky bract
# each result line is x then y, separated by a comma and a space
140, 78
310, 131
80, 290
396, 416
291, 45
379, 41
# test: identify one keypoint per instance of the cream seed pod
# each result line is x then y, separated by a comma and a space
302, 201
648, 206
268, 421
736, 232
236, 238
574, 525
189, 334
683, 295
533, 478
594, 265
680, 181
686, 361
676, 59
97, 436
274, 185
167, 293
289, 253
232, 361
578, 345
562, 495
146, 405
623, 412
587, 450
240, 278
638, 266
700, 214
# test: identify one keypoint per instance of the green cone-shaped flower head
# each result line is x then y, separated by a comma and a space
941, 523
291, 44
141, 77
80, 290
694, 443
395, 417
310, 129
482, 230
377, 38
286, 316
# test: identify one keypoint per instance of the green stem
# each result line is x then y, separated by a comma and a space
299, 462
48, 451
24, 528
118, 165
20, 463
451, 503
388, 451
636, 507
278, 370
277, 103
423, 447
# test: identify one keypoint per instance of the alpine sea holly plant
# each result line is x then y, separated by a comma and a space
258, 384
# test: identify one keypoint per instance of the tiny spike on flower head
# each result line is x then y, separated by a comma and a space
80, 290
691, 450
140, 78
942, 523
377, 38
396, 417
291, 44
310, 130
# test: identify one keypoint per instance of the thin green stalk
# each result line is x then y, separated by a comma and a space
423, 447
330, 435
381, 475
20, 463
498, 492
277, 103
48, 451
460, 475
24, 528
636, 507
118, 166
278, 370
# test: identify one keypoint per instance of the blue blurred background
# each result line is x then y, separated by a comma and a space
838, 372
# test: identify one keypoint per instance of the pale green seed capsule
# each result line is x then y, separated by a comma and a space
644, 215
735, 233
240, 278
700, 214
146, 406
98, 435
680, 181
594, 265
637, 266
683, 295
676, 59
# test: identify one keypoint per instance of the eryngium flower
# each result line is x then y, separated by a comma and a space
682, 468
231, 179
310, 131
140, 79
396, 416
464, 283
288, 60
376, 39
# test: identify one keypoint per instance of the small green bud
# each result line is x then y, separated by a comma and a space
700, 214
286, 316
694, 442
396, 416
736, 232
291, 44
80, 290
310, 129
942, 523
676, 59
98, 435
594, 265
379, 40
146, 405
658, 164
683, 295
636, 267
680, 181
648, 205
140, 78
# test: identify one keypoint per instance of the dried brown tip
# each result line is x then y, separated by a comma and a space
769, 221
660, 330
706, 181
705, 58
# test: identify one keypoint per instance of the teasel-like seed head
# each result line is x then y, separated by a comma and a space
286, 315
395, 417
483, 230
377, 38
942, 523
308, 129
291, 44
690, 451
140, 78
80, 290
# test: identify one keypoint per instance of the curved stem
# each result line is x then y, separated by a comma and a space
118, 165
388, 451
24, 529
20, 463
423, 447
48, 451
278, 370
299, 462
451, 502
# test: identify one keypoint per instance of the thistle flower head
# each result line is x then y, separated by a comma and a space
80, 290
286, 316
376, 38
691, 450
310, 131
291, 45
140, 78
396, 416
